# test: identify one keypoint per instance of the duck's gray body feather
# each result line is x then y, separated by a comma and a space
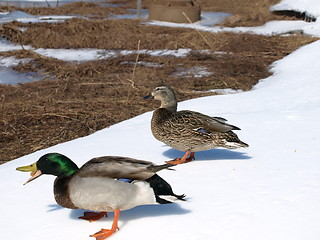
97, 185
120, 167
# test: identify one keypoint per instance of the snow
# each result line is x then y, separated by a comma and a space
12, 61
11, 76
91, 54
311, 7
28, 18
270, 190
54, 1
7, 46
39, 3
270, 28
192, 72
225, 91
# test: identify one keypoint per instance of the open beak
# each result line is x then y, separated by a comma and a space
30, 168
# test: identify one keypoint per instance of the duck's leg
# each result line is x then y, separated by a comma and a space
93, 216
191, 157
105, 233
187, 157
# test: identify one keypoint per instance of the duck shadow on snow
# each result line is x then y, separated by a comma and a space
134, 213
152, 211
213, 154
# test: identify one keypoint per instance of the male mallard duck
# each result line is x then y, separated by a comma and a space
104, 184
189, 131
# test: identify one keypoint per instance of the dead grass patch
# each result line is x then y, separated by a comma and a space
83, 9
86, 97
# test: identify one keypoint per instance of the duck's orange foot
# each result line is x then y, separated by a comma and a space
190, 158
176, 161
186, 158
104, 233
93, 216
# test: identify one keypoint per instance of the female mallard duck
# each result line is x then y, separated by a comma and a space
104, 184
189, 131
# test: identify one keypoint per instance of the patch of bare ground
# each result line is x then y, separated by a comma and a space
85, 97
244, 12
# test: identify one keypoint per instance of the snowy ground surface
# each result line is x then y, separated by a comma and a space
311, 7
269, 29
270, 190
28, 18
38, 3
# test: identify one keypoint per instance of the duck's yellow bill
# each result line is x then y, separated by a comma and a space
30, 168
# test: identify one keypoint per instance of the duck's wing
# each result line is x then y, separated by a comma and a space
203, 123
120, 168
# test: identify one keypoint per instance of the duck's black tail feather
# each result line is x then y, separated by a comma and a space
156, 168
163, 191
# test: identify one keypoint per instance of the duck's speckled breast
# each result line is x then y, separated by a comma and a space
169, 129
160, 123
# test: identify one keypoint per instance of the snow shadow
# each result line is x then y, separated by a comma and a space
134, 213
54, 207
213, 154
144, 211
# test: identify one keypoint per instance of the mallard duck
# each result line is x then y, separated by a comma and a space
104, 184
189, 131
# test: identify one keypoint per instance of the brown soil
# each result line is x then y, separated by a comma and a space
85, 97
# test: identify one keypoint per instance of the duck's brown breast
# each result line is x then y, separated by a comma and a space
62, 193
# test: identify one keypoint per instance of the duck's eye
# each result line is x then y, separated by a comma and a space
160, 89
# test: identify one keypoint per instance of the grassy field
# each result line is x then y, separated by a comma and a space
86, 97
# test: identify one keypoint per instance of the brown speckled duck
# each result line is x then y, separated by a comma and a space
104, 184
189, 131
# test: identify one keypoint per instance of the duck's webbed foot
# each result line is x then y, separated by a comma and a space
105, 233
93, 216
186, 158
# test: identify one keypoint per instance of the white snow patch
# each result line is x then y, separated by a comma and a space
193, 72
12, 61
81, 55
144, 64
28, 18
311, 7
5, 46
225, 91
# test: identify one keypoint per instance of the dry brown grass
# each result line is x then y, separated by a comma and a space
85, 9
89, 96
244, 13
